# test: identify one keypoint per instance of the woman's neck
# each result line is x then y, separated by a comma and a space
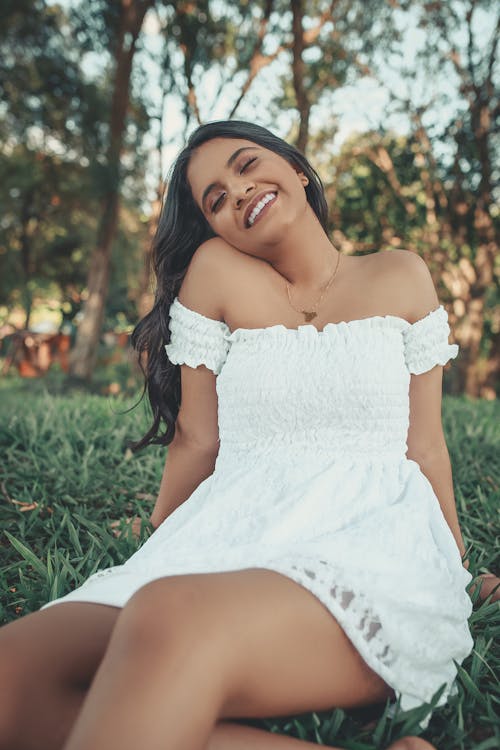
307, 258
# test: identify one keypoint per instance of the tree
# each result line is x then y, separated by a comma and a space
127, 25
378, 193
330, 45
460, 195
441, 207
45, 126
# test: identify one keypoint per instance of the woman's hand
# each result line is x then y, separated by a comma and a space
157, 517
489, 584
136, 522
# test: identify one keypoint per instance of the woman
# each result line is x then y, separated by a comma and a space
307, 552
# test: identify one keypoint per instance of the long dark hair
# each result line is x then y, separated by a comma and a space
181, 230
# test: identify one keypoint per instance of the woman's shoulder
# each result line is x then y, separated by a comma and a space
207, 277
404, 276
396, 261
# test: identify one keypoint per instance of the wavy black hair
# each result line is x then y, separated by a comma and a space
182, 228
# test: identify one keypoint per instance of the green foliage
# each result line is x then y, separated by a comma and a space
378, 201
66, 475
68, 526
40, 81
53, 172
45, 228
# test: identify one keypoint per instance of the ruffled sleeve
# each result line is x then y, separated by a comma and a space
196, 340
426, 342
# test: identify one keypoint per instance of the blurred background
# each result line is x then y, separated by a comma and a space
395, 103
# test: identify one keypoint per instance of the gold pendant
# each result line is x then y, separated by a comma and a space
309, 315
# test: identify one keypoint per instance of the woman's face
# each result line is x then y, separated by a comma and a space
250, 196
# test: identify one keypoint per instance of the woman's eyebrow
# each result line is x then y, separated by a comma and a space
229, 163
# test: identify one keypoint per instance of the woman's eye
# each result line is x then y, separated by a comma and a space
247, 163
217, 203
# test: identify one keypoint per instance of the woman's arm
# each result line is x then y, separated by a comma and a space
186, 466
437, 468
192, 453
427, 444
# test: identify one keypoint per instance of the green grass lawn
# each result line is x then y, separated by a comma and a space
66, 475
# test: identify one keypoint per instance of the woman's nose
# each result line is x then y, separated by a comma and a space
240, 194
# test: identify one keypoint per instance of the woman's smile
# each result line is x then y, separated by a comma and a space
258, 207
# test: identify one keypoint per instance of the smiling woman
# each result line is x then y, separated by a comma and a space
307, 551
256, 181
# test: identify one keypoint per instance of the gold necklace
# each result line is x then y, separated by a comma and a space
310, 314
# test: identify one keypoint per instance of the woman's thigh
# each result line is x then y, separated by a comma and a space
293, 656
271, 646
63, 643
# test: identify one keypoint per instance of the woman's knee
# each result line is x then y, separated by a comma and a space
145, 618
164, 612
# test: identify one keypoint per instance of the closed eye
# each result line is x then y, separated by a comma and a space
247, 164
217, 203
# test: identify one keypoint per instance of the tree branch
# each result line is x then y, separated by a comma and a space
470, 42
257, 59
260, 61
491, 61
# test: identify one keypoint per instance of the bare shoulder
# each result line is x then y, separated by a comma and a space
398, 261
405, 276
207, 278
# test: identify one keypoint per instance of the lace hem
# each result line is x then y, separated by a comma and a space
356, 618
364, 629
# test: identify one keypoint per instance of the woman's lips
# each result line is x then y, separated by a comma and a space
263, 211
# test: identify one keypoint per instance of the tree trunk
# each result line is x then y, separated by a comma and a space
478, 377
145, 297
28, 225
84, 354
298, 68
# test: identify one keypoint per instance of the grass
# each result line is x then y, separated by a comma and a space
66, 475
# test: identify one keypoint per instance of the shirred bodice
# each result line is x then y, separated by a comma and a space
344, 389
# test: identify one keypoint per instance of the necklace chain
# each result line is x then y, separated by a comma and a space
310, 314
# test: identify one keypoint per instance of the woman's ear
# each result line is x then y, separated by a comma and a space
303, 178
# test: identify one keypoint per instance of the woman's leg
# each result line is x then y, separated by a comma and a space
190, 650
47, 662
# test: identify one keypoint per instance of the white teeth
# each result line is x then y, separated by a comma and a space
258, 208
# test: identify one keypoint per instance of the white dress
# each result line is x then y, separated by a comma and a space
312, 481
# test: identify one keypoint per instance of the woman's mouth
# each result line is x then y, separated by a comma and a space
260, 208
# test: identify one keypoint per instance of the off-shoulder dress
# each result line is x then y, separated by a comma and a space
312, 481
